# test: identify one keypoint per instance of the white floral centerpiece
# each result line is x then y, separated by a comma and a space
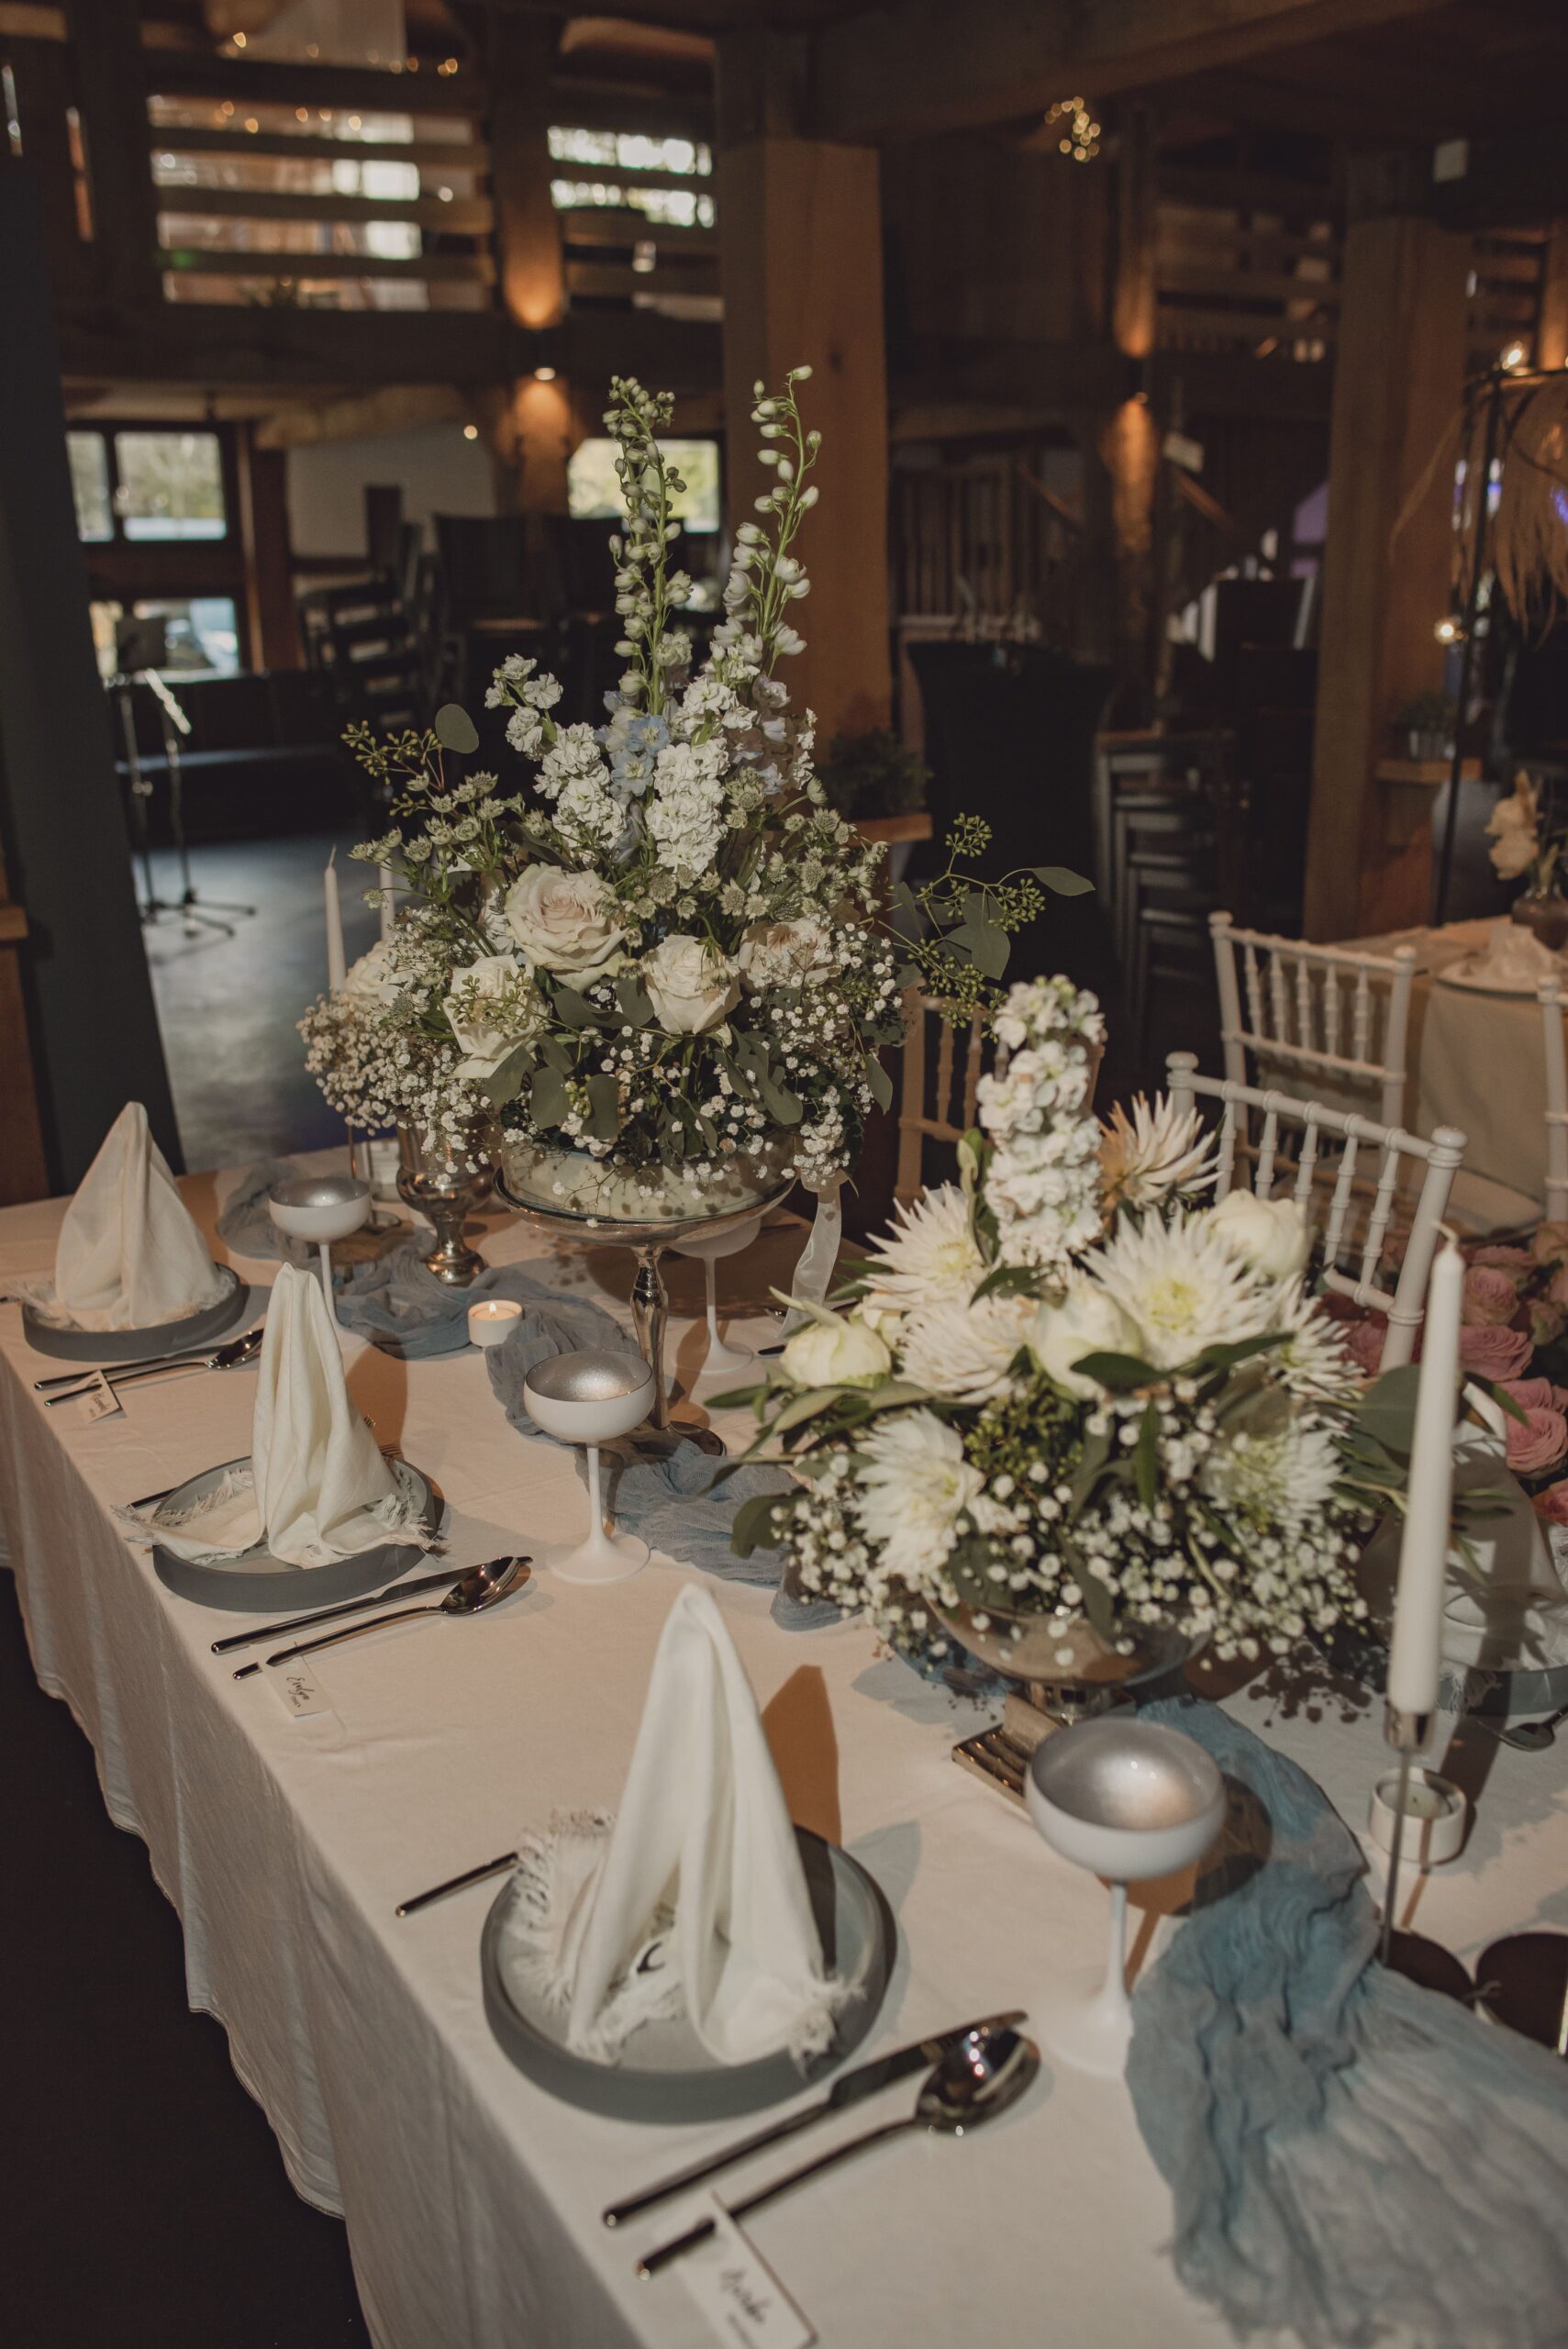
660, 971
1065, 1390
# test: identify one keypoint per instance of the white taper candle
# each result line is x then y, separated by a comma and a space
337, 962
1415, 1650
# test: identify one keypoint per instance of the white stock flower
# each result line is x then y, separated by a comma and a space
967, 1352
912, 1484
1087, 1320
493, 1007
573, 757
689, 983
928, 1258
564, 921
685, 812
786, 953
1156, 1150
1270, 1235
1182, 1287
836, 1353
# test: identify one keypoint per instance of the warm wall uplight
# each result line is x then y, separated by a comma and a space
470, 431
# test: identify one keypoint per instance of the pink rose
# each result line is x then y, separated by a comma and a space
1549, 1243
1491, 1298
1512, 1260
1553, 1503
1531, 1394
1485, 1352
1546, 1322
1538, 1445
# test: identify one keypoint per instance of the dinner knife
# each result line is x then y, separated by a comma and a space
848, 2089
344, 1607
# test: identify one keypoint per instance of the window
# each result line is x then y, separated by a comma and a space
199, 633
593, 492
90, 486
143, 485
170, 486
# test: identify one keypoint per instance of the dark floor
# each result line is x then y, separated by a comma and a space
227, 1005
147, 2205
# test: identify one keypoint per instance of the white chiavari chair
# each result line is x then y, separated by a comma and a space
1551, 1007
1333, 1019
942, 1110
1320, 1159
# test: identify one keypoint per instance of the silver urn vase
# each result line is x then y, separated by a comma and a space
445, 1186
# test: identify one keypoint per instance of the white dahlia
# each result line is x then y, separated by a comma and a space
1284, 1477
1158, 1150
967, 1352
1181, 1286
1313, 1360
912, 1484
928, 1258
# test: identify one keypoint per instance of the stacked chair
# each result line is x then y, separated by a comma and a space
1165, 834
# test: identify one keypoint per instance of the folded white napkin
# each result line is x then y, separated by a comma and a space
129, 1255
318, 1488
693, 1900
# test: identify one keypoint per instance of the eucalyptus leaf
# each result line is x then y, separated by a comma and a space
991, 948
1009, 1280
634, 1004
454, 730
755, 1527
509, 1080
574, 1009
1097, 1604
1119, 1373
1060, 879
1146, 1456
880, 1084
1387, 1409
603, 1109
548, 1102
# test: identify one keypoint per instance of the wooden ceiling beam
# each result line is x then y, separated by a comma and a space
927, 65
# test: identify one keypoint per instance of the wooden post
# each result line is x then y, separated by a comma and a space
1129, 444
532, 429
1551, 329
800, 230
268, 577
1396, 392
111, 76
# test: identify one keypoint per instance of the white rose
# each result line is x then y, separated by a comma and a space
564, 921
839, 1354
786, 953
1270, 1235
1513, 852
689, 984
368, 984
502, 1011
1086, 1322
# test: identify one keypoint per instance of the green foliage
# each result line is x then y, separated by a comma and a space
872, 774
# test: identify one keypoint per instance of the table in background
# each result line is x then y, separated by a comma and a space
472, 2197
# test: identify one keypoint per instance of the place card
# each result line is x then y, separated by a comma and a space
99, 1402
742, 2299
297, 1689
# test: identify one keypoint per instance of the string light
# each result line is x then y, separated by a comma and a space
1448, 630
1078, 134
544, 374
470, 431
447, 65
1513, 358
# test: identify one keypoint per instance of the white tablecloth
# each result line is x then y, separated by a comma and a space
471, 2199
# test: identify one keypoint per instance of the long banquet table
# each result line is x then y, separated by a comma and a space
470, 2197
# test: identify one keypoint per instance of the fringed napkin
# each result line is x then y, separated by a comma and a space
1348, 2156
693, 1900
129, 1255
318, 1488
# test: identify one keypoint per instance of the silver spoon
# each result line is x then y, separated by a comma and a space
1530, 1737
979, 2077
480, 1588
236, 1355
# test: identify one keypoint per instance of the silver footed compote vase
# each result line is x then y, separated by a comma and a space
446, 1185
1063, 1673
578, 1199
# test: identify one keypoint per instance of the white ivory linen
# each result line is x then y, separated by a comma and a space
318, 1488
693, 1901
472, 2197
129, 1255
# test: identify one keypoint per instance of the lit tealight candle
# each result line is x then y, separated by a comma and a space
493, 1320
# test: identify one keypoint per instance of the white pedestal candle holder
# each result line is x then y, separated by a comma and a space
321, 1207
1132, 1800
721, 1362
589, 1399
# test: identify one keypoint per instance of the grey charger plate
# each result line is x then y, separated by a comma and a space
665, 2073
259, 1583
214, 1323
